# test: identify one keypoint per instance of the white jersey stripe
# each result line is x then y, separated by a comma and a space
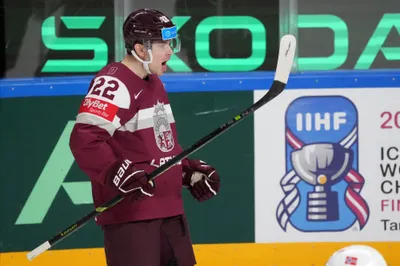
92, 119
144, 119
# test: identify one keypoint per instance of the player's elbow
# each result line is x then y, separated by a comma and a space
84, 136
83, 142
77, 140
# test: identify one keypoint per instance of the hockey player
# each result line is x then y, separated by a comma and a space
124, 130
360, 255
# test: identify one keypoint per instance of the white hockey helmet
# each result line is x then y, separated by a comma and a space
357, 255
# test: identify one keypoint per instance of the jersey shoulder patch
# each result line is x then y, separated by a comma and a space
105, 96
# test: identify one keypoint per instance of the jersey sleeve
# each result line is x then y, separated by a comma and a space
105, 108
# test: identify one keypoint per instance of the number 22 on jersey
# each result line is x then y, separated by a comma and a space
105, 97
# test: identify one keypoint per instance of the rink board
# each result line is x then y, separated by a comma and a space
367, 100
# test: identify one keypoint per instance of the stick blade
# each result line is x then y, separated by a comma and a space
39, 250
287, 49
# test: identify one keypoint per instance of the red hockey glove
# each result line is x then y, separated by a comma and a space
131, 180
201, 179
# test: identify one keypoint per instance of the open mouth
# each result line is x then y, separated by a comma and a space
164, 65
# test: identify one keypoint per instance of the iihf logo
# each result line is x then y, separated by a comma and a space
322, 185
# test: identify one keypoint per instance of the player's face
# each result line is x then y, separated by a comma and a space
161, 54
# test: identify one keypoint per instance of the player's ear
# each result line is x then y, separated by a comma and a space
140, 50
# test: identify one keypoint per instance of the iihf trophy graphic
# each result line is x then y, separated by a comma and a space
322, 184
322, 165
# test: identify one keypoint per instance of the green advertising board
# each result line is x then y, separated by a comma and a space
43, 190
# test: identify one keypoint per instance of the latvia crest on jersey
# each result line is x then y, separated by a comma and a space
322, 183
162, 128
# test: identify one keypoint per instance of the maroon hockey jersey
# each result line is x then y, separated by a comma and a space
124, 116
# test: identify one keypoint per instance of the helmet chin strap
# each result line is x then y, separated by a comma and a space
145, 63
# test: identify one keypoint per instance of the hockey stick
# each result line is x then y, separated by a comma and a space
285, 60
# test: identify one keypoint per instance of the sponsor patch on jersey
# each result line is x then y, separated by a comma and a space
99, 107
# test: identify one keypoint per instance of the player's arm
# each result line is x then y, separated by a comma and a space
88, 143
105, 108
